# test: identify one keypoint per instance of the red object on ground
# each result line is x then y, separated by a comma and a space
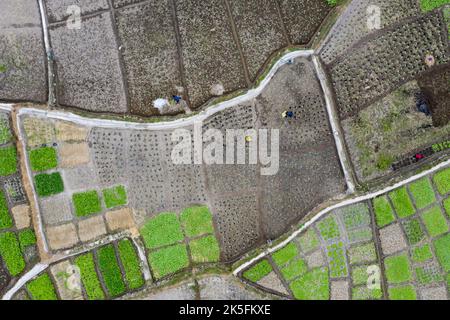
419, 156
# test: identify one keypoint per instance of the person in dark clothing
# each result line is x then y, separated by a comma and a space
177, 99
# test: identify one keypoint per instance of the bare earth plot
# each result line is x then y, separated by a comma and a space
22, 54
260, 31
87, 63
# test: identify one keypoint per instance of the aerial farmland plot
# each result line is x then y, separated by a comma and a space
272, 150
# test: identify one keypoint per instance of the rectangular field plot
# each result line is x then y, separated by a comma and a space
88, 65
149, 49
210, 55
22, 64
260, 31
309, 169
302, 18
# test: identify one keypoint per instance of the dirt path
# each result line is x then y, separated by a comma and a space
27, 184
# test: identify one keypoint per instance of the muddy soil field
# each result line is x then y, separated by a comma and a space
435, 86
22, 53
147, 36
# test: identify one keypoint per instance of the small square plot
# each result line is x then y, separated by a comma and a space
355, 216
168, 260
197, 221
339, 290
80, 178
402, 202
86, 203
73, 154
14, 190
435, 222
55, 210
413, 231
204, 250
91, 229
308, 241
422, 192
362, 253
329, 228
164, 229
437, 293
62, 237
398, 269
392, 239
315, 259
39, 132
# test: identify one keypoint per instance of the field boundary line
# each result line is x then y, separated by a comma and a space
335, 127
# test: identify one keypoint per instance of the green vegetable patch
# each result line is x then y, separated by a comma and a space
48, 184
442, 249
110, 271
27, 238
41, 288
86, 203
258, 271
5, 218
402, 293
11, 253
197, 221
89, 277
313, 285
402, 203
286, 254
8, 161
328, 228
435, 222
422, 254
164, 229
43, 159
115, 197
442, 181
383, 211
205, 249
168, 260
422, 192
398, 269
